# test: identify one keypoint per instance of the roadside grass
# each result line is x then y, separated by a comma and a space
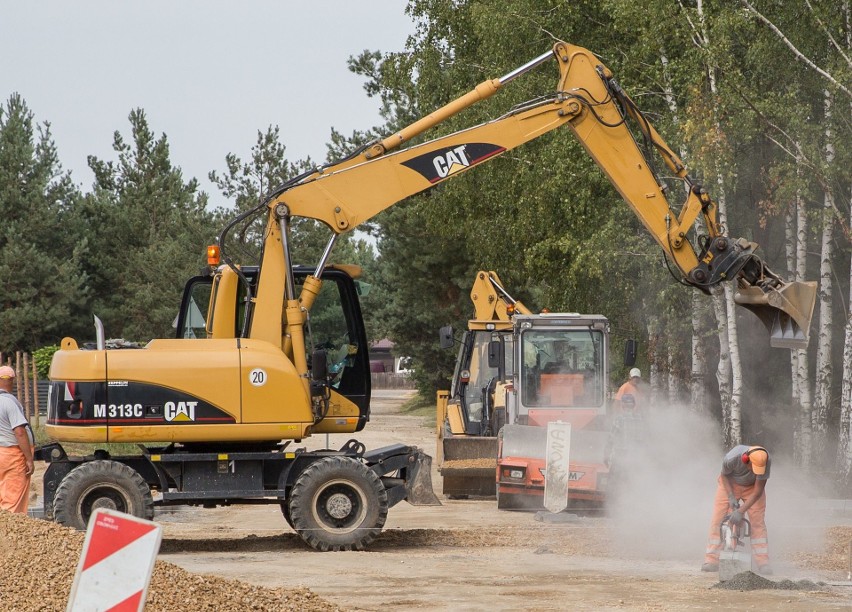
418, 406
422, 407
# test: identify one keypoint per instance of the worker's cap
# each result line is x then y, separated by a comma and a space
635, 373
758, 456
6, 372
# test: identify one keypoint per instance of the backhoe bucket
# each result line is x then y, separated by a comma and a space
469, 466
786, 312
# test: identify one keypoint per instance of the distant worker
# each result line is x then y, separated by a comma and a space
16, 448
745, 470
630, 395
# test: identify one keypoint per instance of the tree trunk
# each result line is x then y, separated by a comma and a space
729, 372
844, 445
697, 390
822, 395
723, 370
790, 252
736, 368
802, 380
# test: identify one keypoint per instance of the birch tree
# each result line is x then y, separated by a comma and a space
729, 371
834, 69
822, 394
844, 446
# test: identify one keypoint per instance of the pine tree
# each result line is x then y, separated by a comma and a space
44, 289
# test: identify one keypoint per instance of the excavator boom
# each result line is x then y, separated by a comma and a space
591, 102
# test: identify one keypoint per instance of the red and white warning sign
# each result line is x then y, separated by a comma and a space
116, 563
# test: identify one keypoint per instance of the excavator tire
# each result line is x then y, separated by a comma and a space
338, 503
285, 510
101, 484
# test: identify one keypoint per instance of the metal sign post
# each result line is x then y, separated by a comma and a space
557, 471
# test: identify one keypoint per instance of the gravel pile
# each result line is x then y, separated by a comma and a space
836, 555
749, 581
464, 464
39, 559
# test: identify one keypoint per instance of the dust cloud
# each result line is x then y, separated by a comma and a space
664, 475
664, 471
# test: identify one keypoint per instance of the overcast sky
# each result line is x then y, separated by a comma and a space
209, 74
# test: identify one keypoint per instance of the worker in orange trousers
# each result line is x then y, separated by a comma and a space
745, 471
16, 448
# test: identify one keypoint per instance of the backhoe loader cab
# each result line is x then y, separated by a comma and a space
486, 359
471, 413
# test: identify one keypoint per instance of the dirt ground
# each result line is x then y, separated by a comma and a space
467, 555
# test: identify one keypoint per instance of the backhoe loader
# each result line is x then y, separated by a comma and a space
215, 415
473, 410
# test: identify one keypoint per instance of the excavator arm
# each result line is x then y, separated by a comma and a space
588, 99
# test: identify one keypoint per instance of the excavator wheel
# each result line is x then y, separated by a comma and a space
101, 484
285, 510
338, 503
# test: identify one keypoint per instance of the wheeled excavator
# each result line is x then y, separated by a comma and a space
216, 415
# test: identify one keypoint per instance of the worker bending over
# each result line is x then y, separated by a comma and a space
16, 448
745, 471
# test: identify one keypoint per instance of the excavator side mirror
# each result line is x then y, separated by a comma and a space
319, 371
630, 348
445, 337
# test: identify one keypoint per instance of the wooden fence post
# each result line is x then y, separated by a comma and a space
26, 402
35, 394
17, 375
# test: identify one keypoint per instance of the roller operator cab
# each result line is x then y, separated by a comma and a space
210, 385
560, 376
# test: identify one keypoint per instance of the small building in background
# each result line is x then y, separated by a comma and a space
384, 360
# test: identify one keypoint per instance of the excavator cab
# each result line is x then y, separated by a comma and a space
188, 388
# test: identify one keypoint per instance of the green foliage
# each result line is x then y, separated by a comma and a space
544, 216
42, 358
150, 228
42, 244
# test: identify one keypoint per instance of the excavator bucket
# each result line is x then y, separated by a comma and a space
469, 466
786, 311
418, 483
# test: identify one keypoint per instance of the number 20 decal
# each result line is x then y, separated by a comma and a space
257, 377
